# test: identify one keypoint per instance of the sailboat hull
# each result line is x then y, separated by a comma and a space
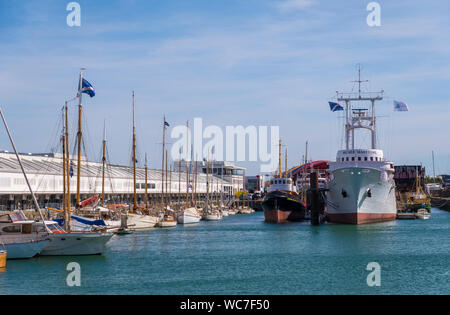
187, 217
76, 244
141, 222
26, 249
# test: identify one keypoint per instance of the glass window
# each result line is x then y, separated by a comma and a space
353, 158
11, 229
346, 158
359, 158
371, 158
365, 158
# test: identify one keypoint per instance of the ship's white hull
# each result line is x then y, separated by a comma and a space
188, 217
359, 195
212, 217
141, 222
76, 243
25, 249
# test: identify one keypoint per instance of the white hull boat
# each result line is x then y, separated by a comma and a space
215, 216
76, 243
141, 222
423, 214
22, 249
225, 213
188, 216
362, 187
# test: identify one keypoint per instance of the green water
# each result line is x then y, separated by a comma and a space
244, 255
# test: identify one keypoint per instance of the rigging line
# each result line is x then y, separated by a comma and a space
47, 161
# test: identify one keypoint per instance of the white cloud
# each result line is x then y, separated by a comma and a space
291, 5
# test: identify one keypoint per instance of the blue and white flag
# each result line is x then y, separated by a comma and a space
400, 107
86, 88
334, 107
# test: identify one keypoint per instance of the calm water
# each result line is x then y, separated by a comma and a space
243, 255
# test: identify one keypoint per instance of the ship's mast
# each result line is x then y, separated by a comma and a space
67, 166
79, 136
134, 161
279, 159
359, 118
103, 163
188, 170
63, 141
146, 184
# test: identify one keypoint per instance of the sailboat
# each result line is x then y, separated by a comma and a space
167, 218
210, 214
65, 241
136, 219
188, 215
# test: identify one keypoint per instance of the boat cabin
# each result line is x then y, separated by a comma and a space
285, 184
16, 223
360, 156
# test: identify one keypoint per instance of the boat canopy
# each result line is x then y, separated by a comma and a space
86, 221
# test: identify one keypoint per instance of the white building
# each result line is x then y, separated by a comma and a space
45, 171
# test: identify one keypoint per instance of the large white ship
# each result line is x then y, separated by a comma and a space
361, 187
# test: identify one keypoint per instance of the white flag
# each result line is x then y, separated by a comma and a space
400, 107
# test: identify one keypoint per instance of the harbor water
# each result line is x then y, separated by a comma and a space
243, 255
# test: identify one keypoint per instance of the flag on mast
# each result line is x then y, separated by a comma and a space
86, 88
334, 107
400, 107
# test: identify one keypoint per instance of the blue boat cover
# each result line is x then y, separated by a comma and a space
86, 221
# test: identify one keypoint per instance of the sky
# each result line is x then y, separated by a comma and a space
230, 62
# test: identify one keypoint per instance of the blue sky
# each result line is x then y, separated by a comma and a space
249, 62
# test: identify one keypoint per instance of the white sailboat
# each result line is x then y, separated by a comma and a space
136, 220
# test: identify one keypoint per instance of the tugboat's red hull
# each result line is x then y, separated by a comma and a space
279, 216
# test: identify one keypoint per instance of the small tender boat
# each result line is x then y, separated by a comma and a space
212, 215
423, 214
167, 221
225, 213
188, 216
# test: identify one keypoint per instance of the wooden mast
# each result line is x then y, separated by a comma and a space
67, 169
146, 184
187, 169
134, 161
79, 137
163, 158
279, 159
103, 163
63, 140
285, 164
179, 181
166, 178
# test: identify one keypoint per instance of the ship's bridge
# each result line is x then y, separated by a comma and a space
360, 155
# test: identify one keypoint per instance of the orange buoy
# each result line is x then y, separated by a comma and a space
3, 255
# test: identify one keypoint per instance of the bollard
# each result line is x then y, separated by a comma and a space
315, 198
